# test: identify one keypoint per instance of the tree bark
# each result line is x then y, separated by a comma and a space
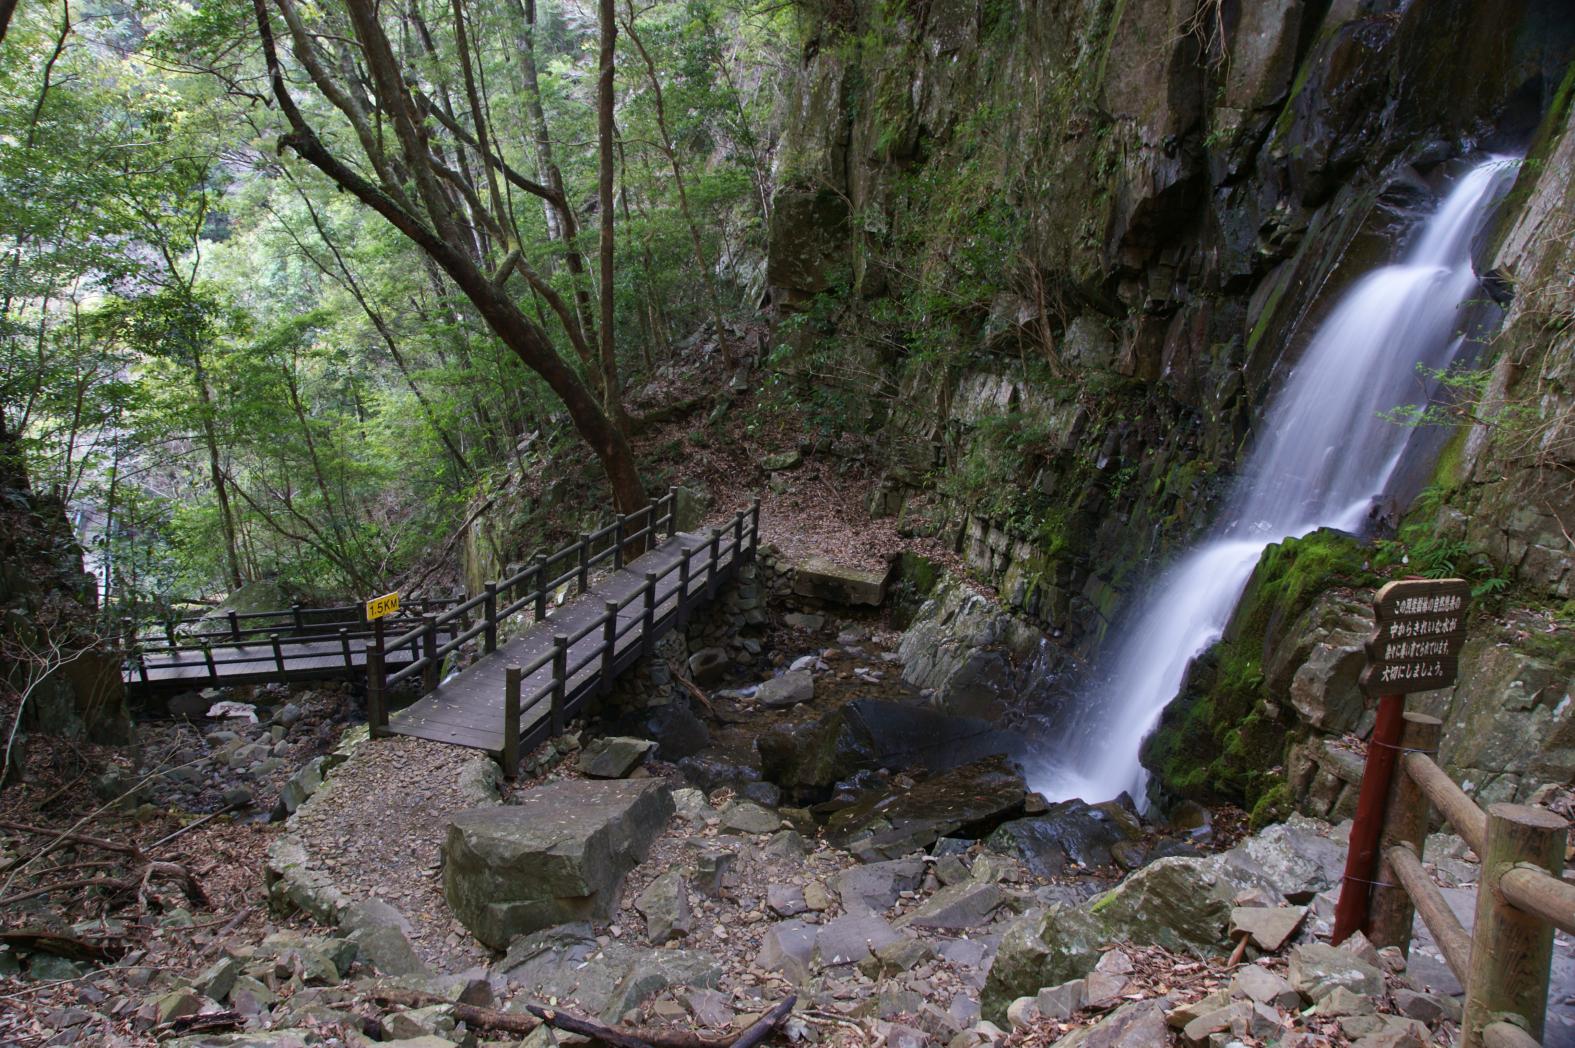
440, 240
604, 144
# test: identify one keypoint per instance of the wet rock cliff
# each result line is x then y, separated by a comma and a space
1057, 255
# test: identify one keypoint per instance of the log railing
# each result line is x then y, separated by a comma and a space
1504, 961
531, 588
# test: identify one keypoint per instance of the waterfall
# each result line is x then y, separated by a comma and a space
1323, 454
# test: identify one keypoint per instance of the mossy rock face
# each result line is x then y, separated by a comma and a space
1227, 730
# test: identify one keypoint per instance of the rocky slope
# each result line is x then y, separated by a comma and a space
1077, 243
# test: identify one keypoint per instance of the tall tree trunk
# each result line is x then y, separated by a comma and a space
604, 143
561, 223
232, 559
671, 150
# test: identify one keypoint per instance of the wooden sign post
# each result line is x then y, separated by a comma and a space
1421, 624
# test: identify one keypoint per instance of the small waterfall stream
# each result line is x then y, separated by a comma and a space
1322, 456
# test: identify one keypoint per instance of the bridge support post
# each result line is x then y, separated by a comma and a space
511, 722
1405, 822
489, 636
376, 694
712, 566
647, 642
429, 672
235, 625
560, 681
738, 537
672, 512
1511, 950
609, 644
539, 570
278, 653
344, 646
213, 668
681, 613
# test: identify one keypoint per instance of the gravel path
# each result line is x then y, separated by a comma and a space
379, 835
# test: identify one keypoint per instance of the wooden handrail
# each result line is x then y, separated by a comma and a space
1459, 810
1538, 892
1504, 962
1454, 942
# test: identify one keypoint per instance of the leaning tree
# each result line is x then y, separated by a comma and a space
435, 171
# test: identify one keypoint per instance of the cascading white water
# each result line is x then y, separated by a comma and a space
1324, 454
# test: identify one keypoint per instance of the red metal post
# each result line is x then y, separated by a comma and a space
1350, 913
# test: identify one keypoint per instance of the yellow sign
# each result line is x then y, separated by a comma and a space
377, 607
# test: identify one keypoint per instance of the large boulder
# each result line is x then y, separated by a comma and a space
558, 856
969, 801
875, 733
835, 583
568, 964
1071, 831
1043, 947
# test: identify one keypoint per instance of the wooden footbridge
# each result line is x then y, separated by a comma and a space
632, 582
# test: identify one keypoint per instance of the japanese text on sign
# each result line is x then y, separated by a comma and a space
1420, 628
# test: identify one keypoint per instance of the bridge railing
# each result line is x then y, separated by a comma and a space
1504, 961
293, 638
726, 547
234, 627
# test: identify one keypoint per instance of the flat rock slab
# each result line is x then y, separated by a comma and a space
852, 939
558, 856
837, 583
790, 689
1268, 927
613, 758
874, 888
957, 907
605, 979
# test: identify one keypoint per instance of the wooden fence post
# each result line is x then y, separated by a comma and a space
648, 621
235, 625
585, 563
738, 537
489, 636
618, 543
1405, 822
754, 525
1350, 913
560, 681
681, 613
207, 657
169, 631
540, 571
511, 721
344, 648
300, 620
1511, 950
377, 694
711, 568
278, 652
609, 644
429, 672
128, 635
672, 512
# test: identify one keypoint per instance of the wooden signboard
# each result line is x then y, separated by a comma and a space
377, 607
1421, 626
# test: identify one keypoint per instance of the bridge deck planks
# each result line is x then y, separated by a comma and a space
467, 709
